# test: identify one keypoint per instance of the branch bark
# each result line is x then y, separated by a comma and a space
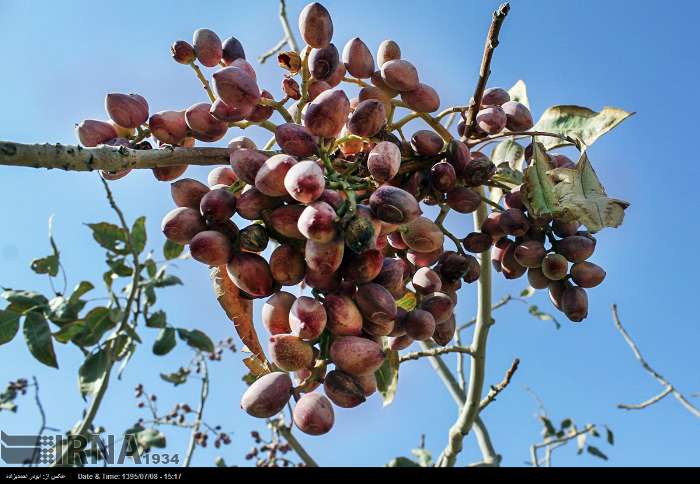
485, 70
489, 455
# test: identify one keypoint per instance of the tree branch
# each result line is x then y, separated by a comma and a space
470, 410
434, 352
495, 390
489, 455
669, 388
203, 395
485, 70
561, 440
286, 432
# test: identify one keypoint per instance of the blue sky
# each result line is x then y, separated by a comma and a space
62, 57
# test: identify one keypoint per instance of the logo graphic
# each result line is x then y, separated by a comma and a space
28, 449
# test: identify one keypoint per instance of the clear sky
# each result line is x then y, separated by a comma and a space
60, 58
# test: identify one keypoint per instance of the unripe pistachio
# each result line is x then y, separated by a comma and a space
91, 132
287, 265
518, 116
358, 59
367, 119
181, 224
400, 75
188, 192
388, 50
313, 414
207, 47
236, 87
315, 25
251, 273
270, 177
423, 99
295, 140
127, 110
268, 395
323, 62
168, 126
204, 126
495, 96
232, 50
289, 352
326, 114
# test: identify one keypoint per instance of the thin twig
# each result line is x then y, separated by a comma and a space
286, 432
505, 300
435, 352
485, 70
203, 394
663, 381
495, 390
274, 50
534, 448
203, 80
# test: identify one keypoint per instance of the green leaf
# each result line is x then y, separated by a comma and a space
49, 264
9, 325
69, 331
610, 437
529, 291
583, 198
510, 151
138, 234
519, 93
425, 458
402, 462
23, 300
38, 337
97, 323
388, 376
542, 316
92, 372
566, 423
538, 189
62, 311
595, 451
157, 320
196, 339
164, 342
507, 175
578, 122
81, 289
176, 378
408, 301
109, 236
46, 265
172, 250
149, 438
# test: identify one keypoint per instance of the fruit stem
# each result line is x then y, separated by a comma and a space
203, 80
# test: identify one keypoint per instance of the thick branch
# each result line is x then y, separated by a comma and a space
483, 439
109, 158
663, 381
